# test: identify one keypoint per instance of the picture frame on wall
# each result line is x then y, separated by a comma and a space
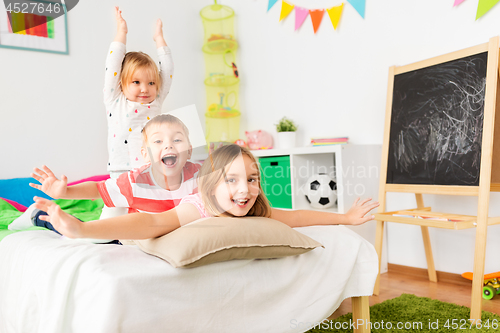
28, 25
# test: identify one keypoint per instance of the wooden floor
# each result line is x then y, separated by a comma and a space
450, 288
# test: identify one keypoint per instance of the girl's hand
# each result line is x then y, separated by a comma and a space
121, 25
356, 214
50, 185
158, 36
64, 223
158, 30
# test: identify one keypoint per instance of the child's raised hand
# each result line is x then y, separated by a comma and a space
158, 36
50, 185
356, 214
64, 223
158, 30
121, 24
212, 147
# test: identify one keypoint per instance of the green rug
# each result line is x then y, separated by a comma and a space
409, 313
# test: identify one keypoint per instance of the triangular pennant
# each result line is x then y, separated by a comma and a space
458, 2
300, 16
286, 9
316, 17
359, 5
271, 3
484, 6
335, 13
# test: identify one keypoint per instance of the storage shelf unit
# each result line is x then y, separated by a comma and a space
355, 169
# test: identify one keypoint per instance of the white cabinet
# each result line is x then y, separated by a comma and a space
355, 169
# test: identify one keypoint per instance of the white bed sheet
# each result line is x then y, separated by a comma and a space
54, 285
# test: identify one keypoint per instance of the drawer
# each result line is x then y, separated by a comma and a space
276, 181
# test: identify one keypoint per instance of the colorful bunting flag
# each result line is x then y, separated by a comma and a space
300, 16
286, 9
335, 13
316, 17
271, 3
484, 6
359, 5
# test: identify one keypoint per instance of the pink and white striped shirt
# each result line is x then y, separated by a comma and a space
138, 191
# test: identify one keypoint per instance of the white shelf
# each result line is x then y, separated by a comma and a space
200, 154
298, 151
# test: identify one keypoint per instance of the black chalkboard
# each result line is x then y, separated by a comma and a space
437, 122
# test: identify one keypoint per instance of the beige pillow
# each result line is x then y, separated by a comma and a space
217, 239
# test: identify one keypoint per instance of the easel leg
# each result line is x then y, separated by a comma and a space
479, 258
431, 270
490, 102
379, 237
361, 314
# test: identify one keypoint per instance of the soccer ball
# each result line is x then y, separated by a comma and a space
320, 191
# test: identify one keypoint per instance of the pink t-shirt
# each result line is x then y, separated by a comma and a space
195, 199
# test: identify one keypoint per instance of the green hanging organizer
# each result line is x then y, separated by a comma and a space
222, 116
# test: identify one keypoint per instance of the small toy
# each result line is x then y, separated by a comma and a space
219, 108
241, 143
235, 69
219, 36
320, 191
491, 284
259, 140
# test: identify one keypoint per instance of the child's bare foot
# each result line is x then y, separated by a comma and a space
64, 223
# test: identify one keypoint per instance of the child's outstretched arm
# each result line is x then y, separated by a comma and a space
303, 218
59, 189
131, 226
121, 27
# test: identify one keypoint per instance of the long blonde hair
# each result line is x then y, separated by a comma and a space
212, 173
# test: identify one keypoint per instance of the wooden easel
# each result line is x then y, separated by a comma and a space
488, 180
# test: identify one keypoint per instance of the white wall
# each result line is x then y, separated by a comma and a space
331, 83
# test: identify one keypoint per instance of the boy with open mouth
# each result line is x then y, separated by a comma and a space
159, 185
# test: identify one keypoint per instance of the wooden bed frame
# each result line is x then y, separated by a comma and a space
361, 313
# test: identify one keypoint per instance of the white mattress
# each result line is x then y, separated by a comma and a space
54, 285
